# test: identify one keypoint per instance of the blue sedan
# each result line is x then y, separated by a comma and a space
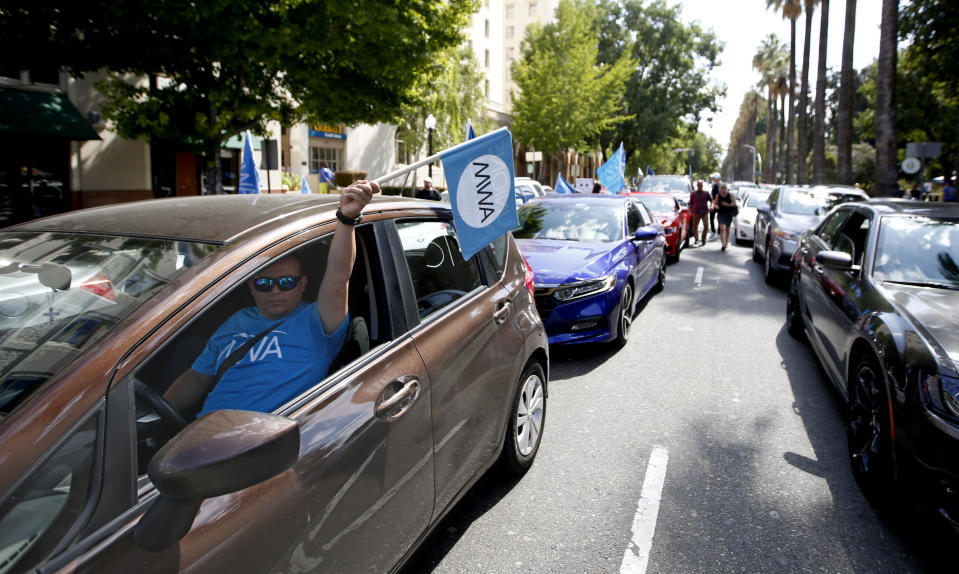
594, 257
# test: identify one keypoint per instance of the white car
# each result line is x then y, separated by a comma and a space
744, 220
530, 182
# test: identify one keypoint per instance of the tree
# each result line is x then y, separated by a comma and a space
566, 98
453, 96
846, 91
791, 10
196, 73
819, 129
802, 141
887, 173
770, 60
670, 87
931, 26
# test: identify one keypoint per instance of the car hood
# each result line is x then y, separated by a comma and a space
933, 311
555, 261
797, 223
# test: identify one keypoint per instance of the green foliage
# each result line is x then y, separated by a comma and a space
665, 161
670, 86
566, 98
195, 73
291, 181
453, 95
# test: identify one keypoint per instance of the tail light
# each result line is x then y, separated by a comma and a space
528, 279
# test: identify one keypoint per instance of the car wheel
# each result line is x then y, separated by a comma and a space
794, 320
661, 280
526, 418
756, 256
625, 315
686, 241
868, 437
768, 274
675, 258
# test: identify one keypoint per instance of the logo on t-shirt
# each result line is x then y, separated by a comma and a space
264, 348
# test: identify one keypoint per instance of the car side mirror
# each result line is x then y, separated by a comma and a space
646, 233
222, 452
839, 260
763, 209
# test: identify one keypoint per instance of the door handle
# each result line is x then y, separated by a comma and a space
502, 312
392, 406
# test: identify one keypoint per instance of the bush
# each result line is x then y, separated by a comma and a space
345, 178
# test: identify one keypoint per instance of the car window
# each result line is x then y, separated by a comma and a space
633, 218
918, 250
439, 273
570, 220
498, 251
660, 203
44, 513
852, 237
831, 226
756, 199
62, 292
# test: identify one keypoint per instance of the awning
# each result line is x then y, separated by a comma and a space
28, 113
236, 142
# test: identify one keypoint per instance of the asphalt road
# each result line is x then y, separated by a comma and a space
712, 442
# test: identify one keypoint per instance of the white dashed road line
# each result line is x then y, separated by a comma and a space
636, 557
699, 277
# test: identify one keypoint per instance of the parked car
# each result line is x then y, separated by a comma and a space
750, 200
875, 290
523, 192
674, 218
443, 374
530, 182
680, 186
594, 257
788, 212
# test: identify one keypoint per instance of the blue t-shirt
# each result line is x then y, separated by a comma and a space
326, 175
291, 358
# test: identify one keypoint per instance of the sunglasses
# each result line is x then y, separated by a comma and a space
284, 282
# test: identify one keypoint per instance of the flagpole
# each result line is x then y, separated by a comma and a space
434, 157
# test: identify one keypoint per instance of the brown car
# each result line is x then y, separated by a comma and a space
442, 374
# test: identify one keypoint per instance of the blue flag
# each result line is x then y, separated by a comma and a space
469, 131
249, 176
649, 170
480, 178
563, 187
305, 187
611, 173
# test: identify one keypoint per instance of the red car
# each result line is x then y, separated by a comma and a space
674, 218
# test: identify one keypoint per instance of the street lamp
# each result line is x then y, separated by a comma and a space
689, 158
430, 126
753, 149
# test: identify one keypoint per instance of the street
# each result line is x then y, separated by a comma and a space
712, 442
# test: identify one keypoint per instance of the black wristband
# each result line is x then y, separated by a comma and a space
346, 220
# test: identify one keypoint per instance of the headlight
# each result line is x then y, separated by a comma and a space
787, 235
746, 221
950, 394
583, 288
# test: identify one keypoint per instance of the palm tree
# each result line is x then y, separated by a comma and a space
886, 171
767, 61
819, 128
801, 144
844, 129
791, 10
782, 88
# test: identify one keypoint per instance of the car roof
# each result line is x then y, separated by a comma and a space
652, 193
891, 206
209, 218
580, 197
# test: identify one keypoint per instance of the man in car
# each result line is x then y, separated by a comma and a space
263, 356
699, 202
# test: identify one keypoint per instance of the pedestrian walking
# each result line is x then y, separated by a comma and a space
699, 201
714, 193
725, 208
949, 191
326, 178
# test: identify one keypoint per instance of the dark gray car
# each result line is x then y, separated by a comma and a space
790, 211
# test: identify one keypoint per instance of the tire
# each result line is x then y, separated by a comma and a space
686, 241
768, 274
794, 320
756, 256
869, 441
661, 279
625, 315
675, 258
524, 429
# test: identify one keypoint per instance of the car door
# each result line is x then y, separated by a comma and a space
470, 341
642, 261
361, 490
763, 218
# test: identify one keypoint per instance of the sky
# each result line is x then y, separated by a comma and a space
743, 24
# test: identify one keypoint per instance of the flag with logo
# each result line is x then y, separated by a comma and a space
305, 187
249, 175
612, 172
469, 131
563, 186
479, 173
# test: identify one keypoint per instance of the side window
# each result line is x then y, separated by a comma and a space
831, 226
773, 198
440, 274
498, 250
633, 218
852, 237
43, 513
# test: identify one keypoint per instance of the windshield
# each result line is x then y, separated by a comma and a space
661, 184
659, 203
571, 221
918, 250
60, 293
801, 202
755, 200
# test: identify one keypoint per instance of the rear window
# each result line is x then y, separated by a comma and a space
661, 184
61, 292
659, 203
802, 202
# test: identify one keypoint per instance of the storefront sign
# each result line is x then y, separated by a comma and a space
329, 131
